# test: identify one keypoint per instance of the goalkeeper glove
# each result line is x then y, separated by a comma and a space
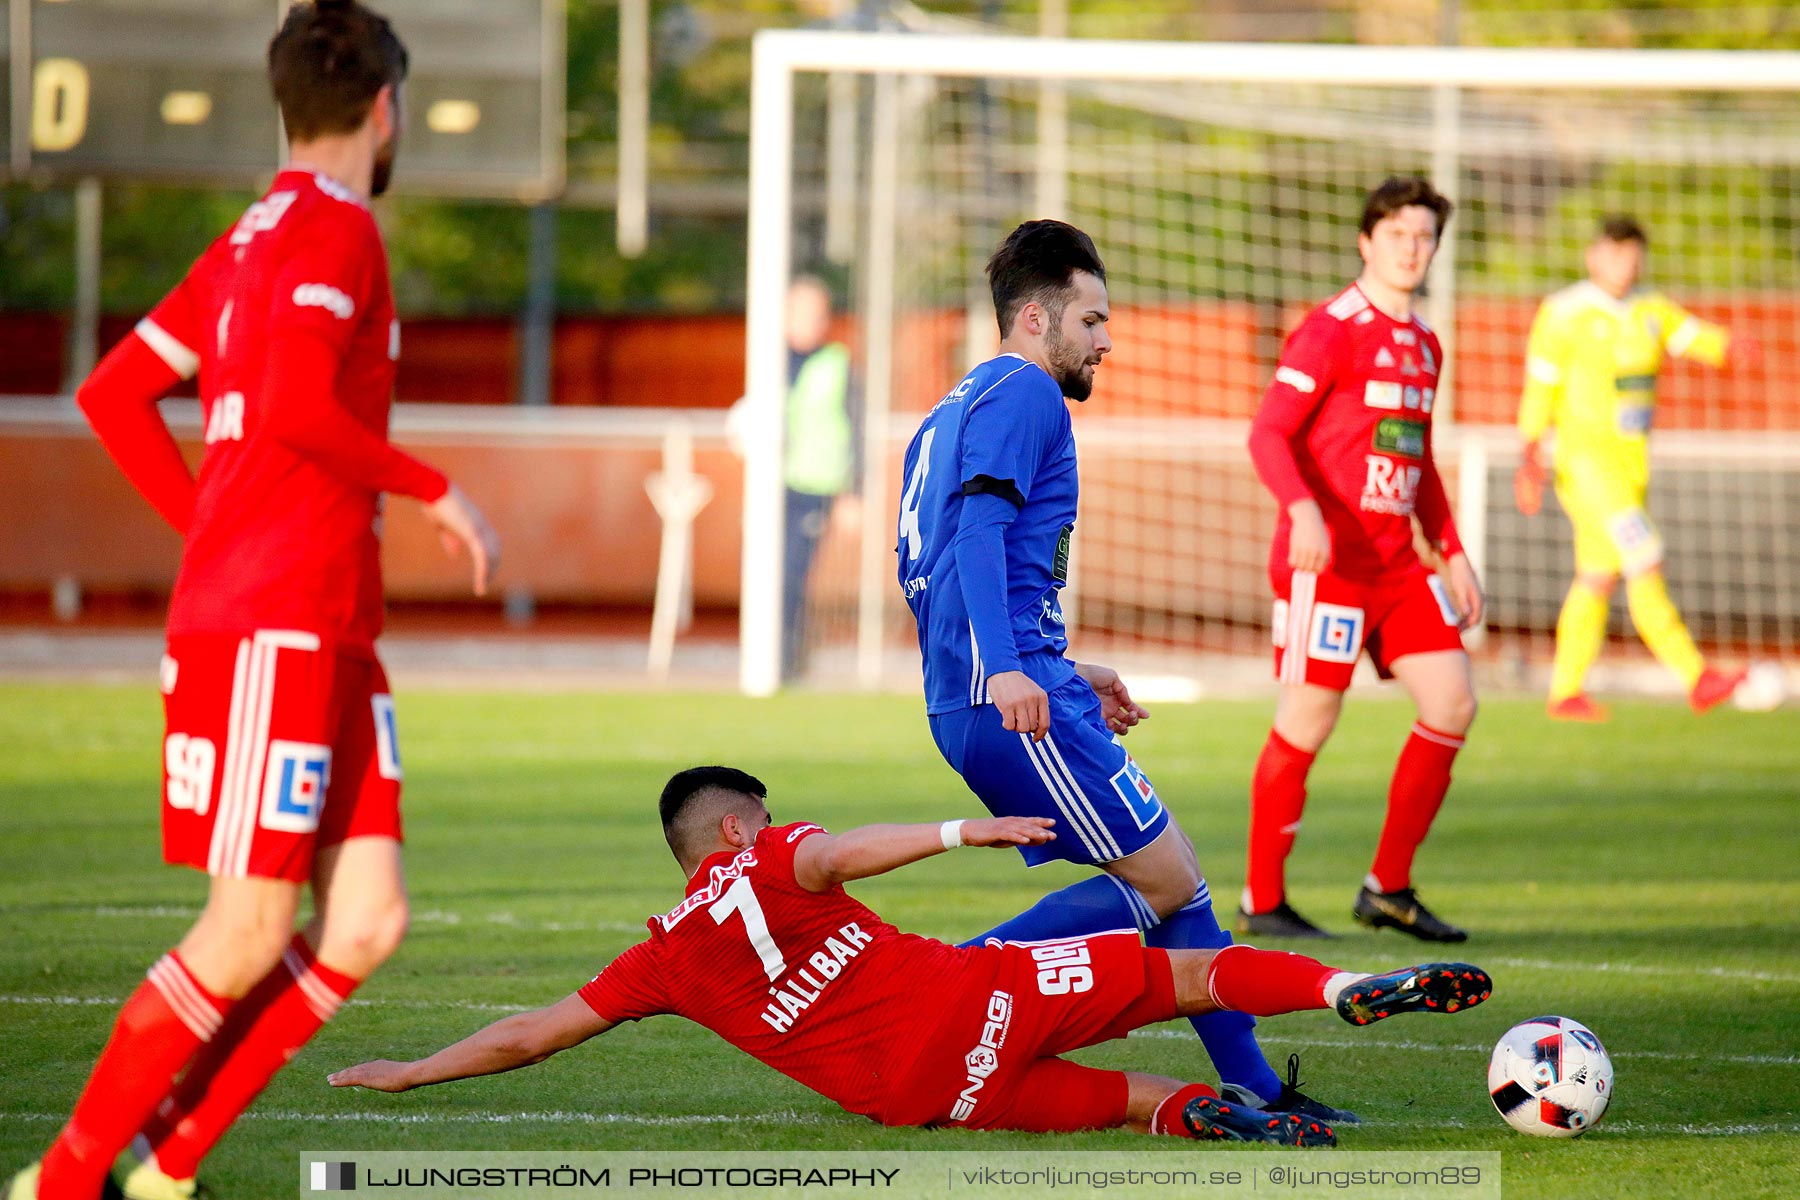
1528, 481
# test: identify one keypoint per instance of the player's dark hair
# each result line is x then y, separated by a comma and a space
1036, 263
687, 790
327, 64
1397, 192
1620, 228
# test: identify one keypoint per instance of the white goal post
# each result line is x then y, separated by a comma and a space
1132, 141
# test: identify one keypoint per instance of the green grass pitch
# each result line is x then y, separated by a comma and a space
1642, 877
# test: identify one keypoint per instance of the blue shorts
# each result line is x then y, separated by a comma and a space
1102, 802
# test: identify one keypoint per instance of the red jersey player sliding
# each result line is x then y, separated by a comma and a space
1343, 440
768, 951
280, 763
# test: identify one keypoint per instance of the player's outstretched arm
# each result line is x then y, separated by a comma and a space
509, 1043
824, 860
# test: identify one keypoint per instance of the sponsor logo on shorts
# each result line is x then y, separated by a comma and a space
1336, 635
1401, 435
294, 786
984, 1059
1382, 393
1441, 594
1138, 793
387, 736
1639, 545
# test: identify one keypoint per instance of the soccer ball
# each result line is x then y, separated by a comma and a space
1764, 689
1550, 1077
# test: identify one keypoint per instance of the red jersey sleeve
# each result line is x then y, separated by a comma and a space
1433, 503
1305, 375
312, 313
119, 400
629, 989
175, 327
775, 845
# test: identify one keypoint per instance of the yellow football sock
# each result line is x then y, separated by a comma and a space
1580, 632
1659, 624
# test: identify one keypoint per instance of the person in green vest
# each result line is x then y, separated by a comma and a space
819, 463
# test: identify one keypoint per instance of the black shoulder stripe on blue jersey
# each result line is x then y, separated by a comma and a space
1006, 489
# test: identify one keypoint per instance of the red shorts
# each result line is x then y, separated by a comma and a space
995, 1066
274, 747
1336, 619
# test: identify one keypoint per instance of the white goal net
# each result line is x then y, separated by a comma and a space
1222, 184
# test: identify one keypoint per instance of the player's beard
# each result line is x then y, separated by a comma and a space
383, 174
1066, 363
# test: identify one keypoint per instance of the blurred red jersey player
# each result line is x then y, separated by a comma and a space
281, 763
1343, 441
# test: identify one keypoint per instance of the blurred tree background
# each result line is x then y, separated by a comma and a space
469, 258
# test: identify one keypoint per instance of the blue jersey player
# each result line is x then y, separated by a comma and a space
985, 524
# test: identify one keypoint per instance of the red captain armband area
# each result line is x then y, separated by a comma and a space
302, 414
119, 400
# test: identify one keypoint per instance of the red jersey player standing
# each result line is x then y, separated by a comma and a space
1343, 440
281, 764
770, 953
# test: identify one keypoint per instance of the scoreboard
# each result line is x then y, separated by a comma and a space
178, 89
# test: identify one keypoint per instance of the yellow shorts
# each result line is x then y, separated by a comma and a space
1614, 535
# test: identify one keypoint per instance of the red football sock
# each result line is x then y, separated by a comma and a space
166, 1019
290, 1005
1167, 1117
1421, 778
1265, 983
1277, 796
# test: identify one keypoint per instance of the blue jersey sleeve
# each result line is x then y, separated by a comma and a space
1008, 430
980, 552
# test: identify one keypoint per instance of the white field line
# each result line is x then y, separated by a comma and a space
1534, 964
1754, 1060
503, 1118
116, 1001
1369, 1043
435, 916
793, 1118
430, 916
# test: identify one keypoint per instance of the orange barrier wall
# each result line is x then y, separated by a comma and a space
577, 522
1206, 359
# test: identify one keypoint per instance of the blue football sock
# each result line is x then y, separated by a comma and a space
1230, 1037
1092, 906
